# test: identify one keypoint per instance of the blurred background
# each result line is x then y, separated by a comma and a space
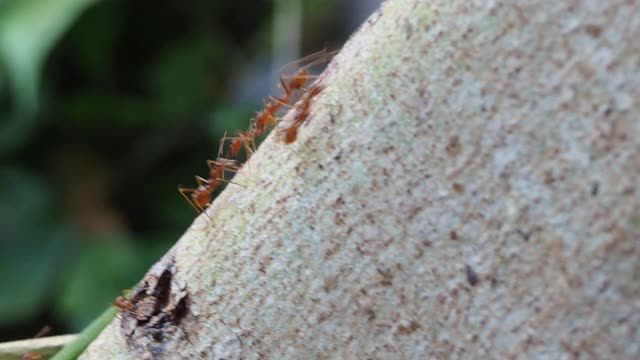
105, 107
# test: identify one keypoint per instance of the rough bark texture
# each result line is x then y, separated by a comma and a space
466, 186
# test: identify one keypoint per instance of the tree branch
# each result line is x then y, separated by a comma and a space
466, 185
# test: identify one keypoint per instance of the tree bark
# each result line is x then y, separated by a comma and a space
465, 187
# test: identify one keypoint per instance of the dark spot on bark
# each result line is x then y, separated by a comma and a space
371, 315
453, 235
593, 30
408, 328
607, 112
162, 291
413, 212
257, 248
594, 189
387, 277
525, 235
408, 29
472, 277
454, 293
388, 149
330, 283
458, 188
332, 251
323, 316
374, 18
628, 191
159, 305
548, 178
454, 147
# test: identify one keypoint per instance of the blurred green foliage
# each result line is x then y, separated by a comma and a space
104, 108
33, 244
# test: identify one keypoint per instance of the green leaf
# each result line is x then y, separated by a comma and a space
28, 31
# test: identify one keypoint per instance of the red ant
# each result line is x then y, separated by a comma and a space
266, 118
300, 79
201, 196
297, 82
217, 169
123, 304
301, 114
243, 138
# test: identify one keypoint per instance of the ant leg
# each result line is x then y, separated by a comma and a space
197, 207
279, 101
231, 182
248, 140
235, 146
312, 59
226, 164
183, 192
221, 146
285, 88
202, 181
223, 140
304, 77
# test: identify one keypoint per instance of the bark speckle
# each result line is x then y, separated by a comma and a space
454, 147
472, 277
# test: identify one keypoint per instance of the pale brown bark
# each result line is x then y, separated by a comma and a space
465, 187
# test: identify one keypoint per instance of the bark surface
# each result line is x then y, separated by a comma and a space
466, 186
